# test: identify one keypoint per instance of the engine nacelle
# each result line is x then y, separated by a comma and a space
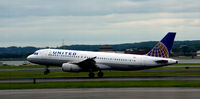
67, 67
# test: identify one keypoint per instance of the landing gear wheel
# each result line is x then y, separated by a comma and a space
47, 71
100, 74
91, 75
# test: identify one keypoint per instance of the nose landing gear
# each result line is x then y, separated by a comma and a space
47, 71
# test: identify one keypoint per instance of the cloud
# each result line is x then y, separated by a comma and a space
20, 8
96, 21
155, 22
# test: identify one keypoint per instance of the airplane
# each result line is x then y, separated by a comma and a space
89, 61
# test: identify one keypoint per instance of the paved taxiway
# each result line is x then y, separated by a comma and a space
70, 79
103, 93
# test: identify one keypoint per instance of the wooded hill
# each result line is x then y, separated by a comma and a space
179, 47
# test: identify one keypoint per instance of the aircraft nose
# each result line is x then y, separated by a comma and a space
176, 62
29, 58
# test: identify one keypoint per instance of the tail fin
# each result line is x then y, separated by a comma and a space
162, 49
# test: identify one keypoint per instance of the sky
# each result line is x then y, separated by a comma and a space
43, 23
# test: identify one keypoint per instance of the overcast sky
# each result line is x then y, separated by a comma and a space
44, 23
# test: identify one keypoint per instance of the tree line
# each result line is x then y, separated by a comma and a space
185, 48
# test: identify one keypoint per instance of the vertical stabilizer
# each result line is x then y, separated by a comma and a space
163, 48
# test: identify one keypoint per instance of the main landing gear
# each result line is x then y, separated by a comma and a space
100, 74
47, 71
92, 75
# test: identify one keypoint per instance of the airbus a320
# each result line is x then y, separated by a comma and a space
88, 61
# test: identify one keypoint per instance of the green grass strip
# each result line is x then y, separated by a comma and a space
24, 67
176, 68
7, 75
186, 64
100, 84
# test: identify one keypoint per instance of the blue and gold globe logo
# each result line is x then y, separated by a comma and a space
160, 50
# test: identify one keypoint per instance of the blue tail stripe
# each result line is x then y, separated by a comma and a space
168, 40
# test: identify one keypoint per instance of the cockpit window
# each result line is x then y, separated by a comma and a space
35, 53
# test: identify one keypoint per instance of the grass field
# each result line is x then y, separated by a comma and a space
186, 64
101, 84
24, 66
38, 72
8, 75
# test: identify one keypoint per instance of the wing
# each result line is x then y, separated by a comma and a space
88, 64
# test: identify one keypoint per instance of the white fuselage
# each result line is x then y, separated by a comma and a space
104, 60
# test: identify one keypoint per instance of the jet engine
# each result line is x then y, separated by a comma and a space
67, 67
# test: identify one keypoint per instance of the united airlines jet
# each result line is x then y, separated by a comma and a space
88, 61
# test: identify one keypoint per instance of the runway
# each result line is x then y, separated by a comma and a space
71, 79
103, 93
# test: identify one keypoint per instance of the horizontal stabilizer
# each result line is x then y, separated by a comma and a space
161, 61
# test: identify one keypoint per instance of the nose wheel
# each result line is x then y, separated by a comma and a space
47, 71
